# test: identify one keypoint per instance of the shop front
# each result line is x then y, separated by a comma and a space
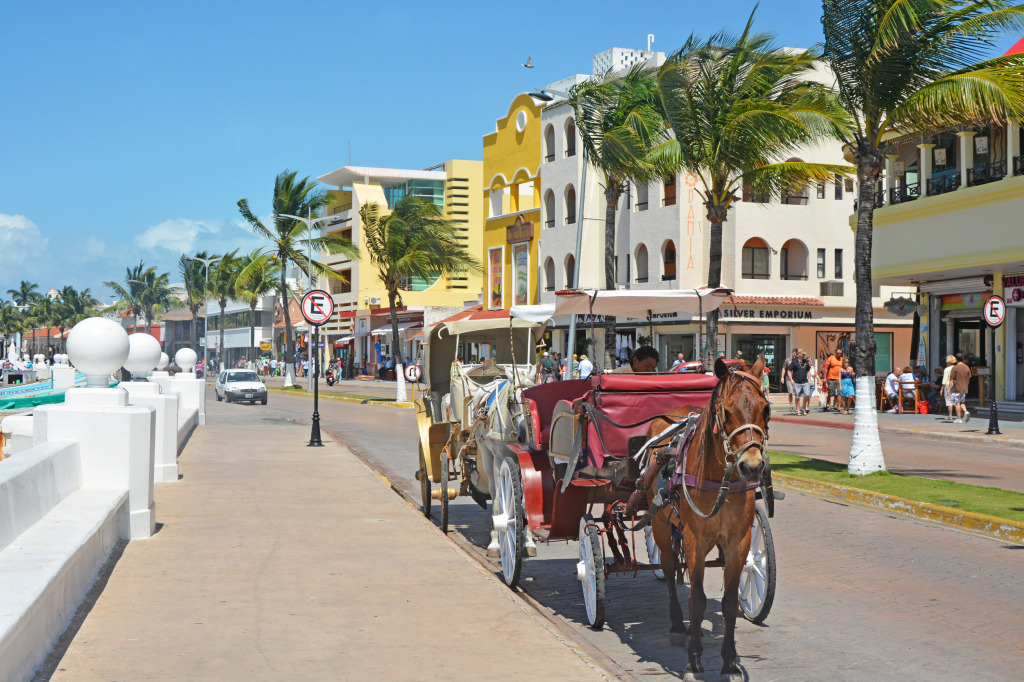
1013, 358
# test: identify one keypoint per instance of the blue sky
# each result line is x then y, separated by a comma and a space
129, 130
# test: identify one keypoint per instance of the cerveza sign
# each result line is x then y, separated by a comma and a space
729, 313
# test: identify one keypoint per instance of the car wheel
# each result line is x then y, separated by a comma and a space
227, 398
263, 402
217, 395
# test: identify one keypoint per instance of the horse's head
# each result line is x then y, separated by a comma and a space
741, 418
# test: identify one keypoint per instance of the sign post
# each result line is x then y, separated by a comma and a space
317, 308
413, 373
993, 313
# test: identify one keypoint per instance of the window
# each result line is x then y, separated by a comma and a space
793, 261
839, 263
570, 138
750, 196
670, 190
668, 258
849, 184
641, 196
641, 264
821, 263
839, 186
755, 259
549, 209
821, 190
570, 271
549, 275
570, 205
549, 143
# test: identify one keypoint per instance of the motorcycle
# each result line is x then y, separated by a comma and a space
331, 379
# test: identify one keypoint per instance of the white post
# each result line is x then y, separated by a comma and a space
1012, 146
891, 181
966, 155
926, 167
866, 449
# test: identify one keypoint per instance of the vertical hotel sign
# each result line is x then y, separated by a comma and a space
495, 278
521, 258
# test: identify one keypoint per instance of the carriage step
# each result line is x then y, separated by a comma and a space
436, 493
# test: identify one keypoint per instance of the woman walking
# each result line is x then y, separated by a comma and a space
846, 388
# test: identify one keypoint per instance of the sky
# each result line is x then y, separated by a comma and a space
130, 130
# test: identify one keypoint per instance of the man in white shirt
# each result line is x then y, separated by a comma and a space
892, 388
586, 367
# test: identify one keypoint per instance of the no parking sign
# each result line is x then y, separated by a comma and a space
994, 311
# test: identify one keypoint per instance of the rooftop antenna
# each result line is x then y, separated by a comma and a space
650, 39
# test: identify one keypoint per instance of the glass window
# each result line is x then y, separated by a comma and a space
839, 186
821, 263
755, 262
821, 190
839, 263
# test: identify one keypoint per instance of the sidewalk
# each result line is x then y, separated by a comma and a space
368, 389
280, 562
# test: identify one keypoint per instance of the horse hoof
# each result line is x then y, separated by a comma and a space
493, 552
531, 550
732, 677
693, 677
677, 638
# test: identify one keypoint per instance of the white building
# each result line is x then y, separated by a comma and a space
236, 321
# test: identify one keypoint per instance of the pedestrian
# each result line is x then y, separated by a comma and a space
586, 367
800, 372
574, 367
273, 367
908, 387
846, 387
787, 379
547, 369
764, 380
947, 385
680, 360
644, 361
892, 389
831, 371
559, 367
960, 376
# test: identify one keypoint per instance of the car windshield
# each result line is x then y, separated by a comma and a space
243, 376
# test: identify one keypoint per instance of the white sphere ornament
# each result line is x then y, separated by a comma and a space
162, 363
98, 347
186, 359
143, 354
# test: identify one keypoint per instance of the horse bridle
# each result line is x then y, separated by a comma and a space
731, 456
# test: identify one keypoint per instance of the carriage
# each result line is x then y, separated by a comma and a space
585, 444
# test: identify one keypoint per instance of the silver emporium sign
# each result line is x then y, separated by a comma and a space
729, 313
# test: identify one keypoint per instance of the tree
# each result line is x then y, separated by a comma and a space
912, 67
260, 280
193, 276
157, 296
11, 323
621, 122
739, 106
129, 294
26, 293
413, 240
74, 306
287, 239
44, 313
223, 275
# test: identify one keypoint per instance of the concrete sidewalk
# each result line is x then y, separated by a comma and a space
280, 562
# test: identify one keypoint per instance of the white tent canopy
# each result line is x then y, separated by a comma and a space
635, 304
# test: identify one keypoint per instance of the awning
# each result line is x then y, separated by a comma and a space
402, 327
343, 341
635, 304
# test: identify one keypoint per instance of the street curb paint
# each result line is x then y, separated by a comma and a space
962, 437
345, 399
981, 524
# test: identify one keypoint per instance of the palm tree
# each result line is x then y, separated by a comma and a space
739, 106
26, 293
911, 67
223, 276
74, 307
287, 239
621, 122
194, 278
157, 296
44, 313
261, 279
129, 294
414, 240
10, 324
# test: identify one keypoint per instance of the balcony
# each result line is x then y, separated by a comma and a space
668, 278
794, 278
904, 193
795, 199
986, 173
942, 185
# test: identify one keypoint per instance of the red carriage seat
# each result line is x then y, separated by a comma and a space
542, 400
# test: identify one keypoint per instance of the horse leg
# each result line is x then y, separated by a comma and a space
486, 462
669, 565
698, 602
730, 608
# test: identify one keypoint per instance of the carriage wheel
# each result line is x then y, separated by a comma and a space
424, 484
510, 521
590, 570
757, 581
653, 552
445, 464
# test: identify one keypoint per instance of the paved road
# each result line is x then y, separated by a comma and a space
861, 595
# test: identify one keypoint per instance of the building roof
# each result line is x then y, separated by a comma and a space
774, 300
1017, 48
386, 177
180, 315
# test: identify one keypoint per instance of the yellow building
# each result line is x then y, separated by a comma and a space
361, 323
511, 195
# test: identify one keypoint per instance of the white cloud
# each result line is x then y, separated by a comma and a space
20, 238
183, 235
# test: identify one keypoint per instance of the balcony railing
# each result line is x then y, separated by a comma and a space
549, 157
1018, 165
549, 288
904, 193
794, 199
641, 280
571, 151
795, 277
950, 183
641, 205
570, 220
668, 278
755, 275
985, 173
549, 223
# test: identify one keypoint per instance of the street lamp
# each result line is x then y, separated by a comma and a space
309, 222
207, 262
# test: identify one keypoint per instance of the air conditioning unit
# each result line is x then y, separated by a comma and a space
831, 289
373, 300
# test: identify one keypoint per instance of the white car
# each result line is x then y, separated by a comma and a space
240, 386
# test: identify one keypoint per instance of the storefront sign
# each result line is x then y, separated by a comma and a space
728, 313
1014, 287
981, 145
519, 231
901, 307
940, 157
496, 277
521, 258
264, 346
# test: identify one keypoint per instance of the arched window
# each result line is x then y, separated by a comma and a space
570, 138
670, 190
570, 205
641, 264
570, 271
796, 194
793, 260
549, 274
668, 259
549, 143
755, 259
641, 196
549, 209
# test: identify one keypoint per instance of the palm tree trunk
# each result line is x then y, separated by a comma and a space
396, 347
866, 448
611, 195
714, 281
195, 326
289, 363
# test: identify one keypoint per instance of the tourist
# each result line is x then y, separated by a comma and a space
273, 367
908, 385
681, 360
764, 380
787, 379
947, 385
830, 371
960, 376
547, 369
846, 387
800, 372
586, 367
892, 389
644, 361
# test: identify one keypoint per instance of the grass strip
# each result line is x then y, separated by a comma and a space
1003, 504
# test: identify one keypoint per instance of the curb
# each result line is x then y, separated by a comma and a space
345, 399
979, 524
962, 437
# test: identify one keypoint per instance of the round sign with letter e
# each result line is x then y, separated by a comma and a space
413, 372
317, 307
994, 311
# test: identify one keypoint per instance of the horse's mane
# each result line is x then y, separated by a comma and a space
703, 439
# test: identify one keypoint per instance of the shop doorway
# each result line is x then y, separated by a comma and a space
671, 345
774, 347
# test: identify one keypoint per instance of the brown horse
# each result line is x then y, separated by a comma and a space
733, 428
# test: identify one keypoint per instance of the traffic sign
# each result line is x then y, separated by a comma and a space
317, 307
994, 311
413, 372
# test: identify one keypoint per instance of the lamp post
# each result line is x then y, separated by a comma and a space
309, 222
207, 262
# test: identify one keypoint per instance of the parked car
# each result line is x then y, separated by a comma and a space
240, 386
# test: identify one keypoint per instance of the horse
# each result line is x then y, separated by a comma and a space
729, 443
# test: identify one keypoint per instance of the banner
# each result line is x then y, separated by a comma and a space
496, 277
521, 258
